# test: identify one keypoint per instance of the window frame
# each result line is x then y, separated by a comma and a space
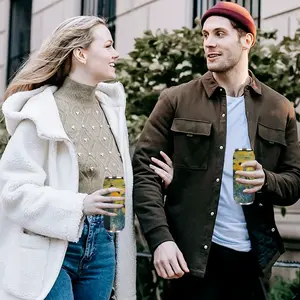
199, 5
23, 30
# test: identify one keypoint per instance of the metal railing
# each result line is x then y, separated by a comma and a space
278, 264
287, 264
153, 289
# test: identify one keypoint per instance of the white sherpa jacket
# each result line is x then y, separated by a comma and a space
40, 207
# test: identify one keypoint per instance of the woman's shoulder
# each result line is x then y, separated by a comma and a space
37, 106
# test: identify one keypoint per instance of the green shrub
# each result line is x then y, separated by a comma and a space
283, 289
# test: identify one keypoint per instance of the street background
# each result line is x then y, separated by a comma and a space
24, 24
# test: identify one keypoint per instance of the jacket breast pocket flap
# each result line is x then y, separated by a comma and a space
271, 135
25, 269
270, 143
191, 143
191, 127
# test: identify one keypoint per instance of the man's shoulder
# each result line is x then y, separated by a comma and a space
271, 94
276, 100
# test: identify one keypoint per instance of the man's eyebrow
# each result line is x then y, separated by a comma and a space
216, 29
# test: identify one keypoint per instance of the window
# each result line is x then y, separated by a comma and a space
19, 35
107, 9
102, 8
253, 6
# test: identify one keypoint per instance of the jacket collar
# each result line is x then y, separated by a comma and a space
40, 107
211, 86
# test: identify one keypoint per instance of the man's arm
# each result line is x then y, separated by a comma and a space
284, 184
148, 190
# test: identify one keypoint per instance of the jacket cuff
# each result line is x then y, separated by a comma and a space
269, 185
157, 236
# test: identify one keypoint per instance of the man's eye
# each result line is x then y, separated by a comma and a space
220, 34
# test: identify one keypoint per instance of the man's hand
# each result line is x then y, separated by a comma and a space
169, 262
256, 177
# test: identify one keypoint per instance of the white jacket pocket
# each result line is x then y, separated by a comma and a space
25, 268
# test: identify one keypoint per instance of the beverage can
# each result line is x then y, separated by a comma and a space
115, 223
240, 156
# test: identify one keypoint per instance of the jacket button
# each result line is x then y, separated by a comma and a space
218, 179
205, 247
221, 147
260, 204
212, 213
223, 115
273, 229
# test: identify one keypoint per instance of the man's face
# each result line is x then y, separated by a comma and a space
222, 45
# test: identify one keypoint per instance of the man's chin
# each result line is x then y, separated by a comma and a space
216, 69
213, 68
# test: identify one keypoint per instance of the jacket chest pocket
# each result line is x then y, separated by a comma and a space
270, 143
191, 143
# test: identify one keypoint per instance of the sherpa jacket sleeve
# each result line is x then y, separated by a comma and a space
148, 191
284, 184
24, 197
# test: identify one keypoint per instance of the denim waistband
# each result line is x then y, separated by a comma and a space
95, 220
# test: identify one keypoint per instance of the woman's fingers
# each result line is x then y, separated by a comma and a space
161, 164
166, 158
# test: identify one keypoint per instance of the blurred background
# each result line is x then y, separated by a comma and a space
160, 45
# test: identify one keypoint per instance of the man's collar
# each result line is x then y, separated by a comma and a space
211, 85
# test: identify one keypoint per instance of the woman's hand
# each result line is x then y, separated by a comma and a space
97, 203
165, 172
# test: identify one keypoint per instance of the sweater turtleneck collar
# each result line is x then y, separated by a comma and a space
76, 91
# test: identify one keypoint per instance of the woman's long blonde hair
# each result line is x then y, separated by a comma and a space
52, 63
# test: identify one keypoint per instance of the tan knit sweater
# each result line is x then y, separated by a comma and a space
86, 125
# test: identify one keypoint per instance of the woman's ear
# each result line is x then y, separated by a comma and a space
80, 54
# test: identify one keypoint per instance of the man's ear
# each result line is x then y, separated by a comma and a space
247, 41
80, 54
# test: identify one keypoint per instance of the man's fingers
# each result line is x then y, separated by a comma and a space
178, 272
252, 163
252, 190
166, 158
253, 182
250, 174
160, 270
169, 269
182, 262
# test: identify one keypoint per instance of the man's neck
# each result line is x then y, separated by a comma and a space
233, 81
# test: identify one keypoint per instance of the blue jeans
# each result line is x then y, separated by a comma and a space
89, 266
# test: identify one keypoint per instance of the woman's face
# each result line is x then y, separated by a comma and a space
100, 56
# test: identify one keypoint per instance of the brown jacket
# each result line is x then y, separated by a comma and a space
189, 124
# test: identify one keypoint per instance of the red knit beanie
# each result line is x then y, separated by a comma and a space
234, 12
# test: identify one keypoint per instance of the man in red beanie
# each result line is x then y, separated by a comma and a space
207, 243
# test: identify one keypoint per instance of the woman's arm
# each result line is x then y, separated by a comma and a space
23, 195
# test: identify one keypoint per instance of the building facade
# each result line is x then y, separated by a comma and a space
24, 24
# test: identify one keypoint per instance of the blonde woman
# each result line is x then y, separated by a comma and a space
68, 131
